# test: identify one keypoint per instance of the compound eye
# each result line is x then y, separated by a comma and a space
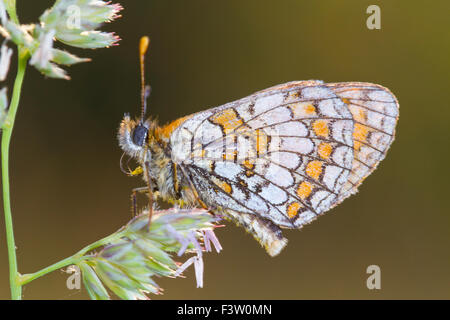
139, 135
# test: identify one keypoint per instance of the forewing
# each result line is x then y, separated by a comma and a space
375, 113
283, 153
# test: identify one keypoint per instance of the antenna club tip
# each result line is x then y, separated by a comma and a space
143, 45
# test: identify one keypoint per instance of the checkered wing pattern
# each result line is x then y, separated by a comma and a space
375, 113
285, 153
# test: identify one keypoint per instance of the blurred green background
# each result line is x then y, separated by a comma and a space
68, 191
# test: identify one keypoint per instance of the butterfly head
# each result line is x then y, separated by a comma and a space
134, 136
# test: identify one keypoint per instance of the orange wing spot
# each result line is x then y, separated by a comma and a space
345, 100
314, 169
262, 142
325, 150
310, 109
227, 119
248, 164
293, 208
223, 185
166, 131
360, 133
301, 109
304, 190
320, 127
226, 187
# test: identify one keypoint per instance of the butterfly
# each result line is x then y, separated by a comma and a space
278, 158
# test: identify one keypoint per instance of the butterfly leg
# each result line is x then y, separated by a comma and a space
134, 193
264, 231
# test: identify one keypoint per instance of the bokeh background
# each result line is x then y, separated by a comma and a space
68, 191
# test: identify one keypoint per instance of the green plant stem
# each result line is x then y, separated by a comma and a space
11, 8
24, 279
16, 290
76, 258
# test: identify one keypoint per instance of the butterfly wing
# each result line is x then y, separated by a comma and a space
375, 112
283, 154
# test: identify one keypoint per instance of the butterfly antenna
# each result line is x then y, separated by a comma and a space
145, 90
